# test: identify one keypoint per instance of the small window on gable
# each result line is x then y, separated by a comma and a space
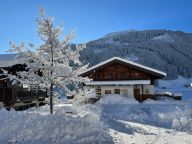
146, 91
124, 75
136, 75
109, 75
116, 91
107, 91
98, 76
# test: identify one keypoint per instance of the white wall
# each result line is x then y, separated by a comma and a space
150, 88
129, 88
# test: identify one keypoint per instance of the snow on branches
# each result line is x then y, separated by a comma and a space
55, 62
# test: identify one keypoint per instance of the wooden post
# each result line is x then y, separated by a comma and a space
116, 71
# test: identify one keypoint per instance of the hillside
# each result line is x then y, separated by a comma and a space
169, 51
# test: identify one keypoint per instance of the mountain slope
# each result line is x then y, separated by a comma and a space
169, 51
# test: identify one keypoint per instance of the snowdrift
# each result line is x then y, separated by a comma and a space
167, 114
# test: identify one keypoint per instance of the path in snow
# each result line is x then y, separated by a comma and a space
159, 136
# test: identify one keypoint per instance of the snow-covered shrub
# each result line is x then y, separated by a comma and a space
84, 97
36, 126
183, 123
176, 124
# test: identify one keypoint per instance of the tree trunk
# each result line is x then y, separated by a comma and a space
51, 92
51, 99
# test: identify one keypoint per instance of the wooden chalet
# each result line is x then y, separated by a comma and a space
123, 77
17, 96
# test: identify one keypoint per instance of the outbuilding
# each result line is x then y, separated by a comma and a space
16, 95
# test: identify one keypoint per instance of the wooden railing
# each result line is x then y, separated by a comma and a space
113, 78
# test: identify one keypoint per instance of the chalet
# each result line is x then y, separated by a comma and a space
17, 96
123, 77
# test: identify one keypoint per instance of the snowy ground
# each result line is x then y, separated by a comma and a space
114, 119
176, 86
152, 122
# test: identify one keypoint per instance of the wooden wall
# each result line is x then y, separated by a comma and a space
116, 71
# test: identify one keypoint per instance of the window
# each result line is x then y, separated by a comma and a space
116, 91
124, 75
98, 92
98, 76
136, 75
107, 91
109, 75
146, 91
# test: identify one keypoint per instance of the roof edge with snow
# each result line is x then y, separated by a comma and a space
7, 60
149, 69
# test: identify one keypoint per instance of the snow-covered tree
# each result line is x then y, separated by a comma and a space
54, 63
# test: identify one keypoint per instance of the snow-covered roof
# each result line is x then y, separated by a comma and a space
124, 82
125, 61
9, 60
7, 57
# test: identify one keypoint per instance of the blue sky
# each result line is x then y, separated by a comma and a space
91, 19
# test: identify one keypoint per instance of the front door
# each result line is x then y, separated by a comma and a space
137, 94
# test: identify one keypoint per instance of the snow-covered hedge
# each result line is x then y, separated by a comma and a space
65, 126
84, 99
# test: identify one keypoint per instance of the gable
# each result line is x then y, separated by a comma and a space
120, 68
